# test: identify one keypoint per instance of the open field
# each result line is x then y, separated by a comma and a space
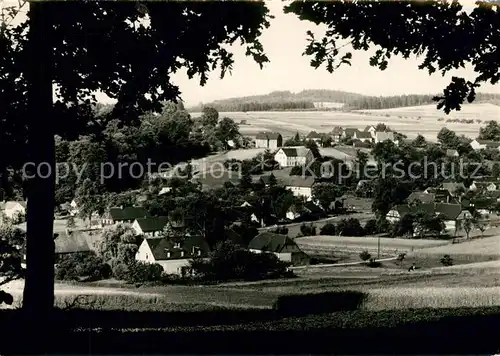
388, 246
404, 120
487, 247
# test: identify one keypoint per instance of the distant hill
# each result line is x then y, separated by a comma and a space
319, 99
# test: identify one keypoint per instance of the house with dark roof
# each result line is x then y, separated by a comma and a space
349, 132
150, 227
77, 241
269, 140
281, 245
363, 136
293, 156
300, 185
422, 197
477, 186
453, 187
336, 133
484, 144
128, 214
314, 136
172, 254
371, 129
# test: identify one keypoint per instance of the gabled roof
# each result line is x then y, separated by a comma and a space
152, 224
369, 127
484, 203
295, 151
363, 134
421, 196
451, 153
449, 211
493, 193
313, 134
160, 246
350, 131
76, 241
128, 213
270, 242
337, 130
13, 204
452, 186
489, 143
268, 136
298, 181
312, 208
382, 136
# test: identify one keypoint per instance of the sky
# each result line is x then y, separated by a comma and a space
284, 42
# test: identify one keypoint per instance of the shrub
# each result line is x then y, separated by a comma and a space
350, 227
328, 229
282, 230
373, 263
78, 266
447, 261
308, 229
371, 227
120, 270
365, 255
144, 272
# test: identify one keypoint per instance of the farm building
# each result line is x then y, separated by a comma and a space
13, 209
484, 144
122, 214
281, 245
314, 136
422, 197
173, 255
453, 187
384, 136
270, 140
371, 129
293, 156
150, 227
363, 136
452, 153
300, 186
78, 241
349, 132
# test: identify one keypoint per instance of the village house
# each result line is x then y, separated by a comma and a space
300, 186
13, 209
453, 187
349, 132
150, 227
421, 197
371, 129
74, 208
293, 156
440, 195
165, 190
483, 186
172, 254
78, 241
336, 134
269, 140
452, 153
314, 136
307, 209
382, 136
484, 144
495, 194
281, 245
122, 214
363, 136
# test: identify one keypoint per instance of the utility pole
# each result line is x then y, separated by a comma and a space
378, 249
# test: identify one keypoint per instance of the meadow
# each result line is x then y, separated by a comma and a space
426, 120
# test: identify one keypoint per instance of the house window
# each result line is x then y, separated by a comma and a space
177, 245
147, 256
168, 254
199, 252
182, 253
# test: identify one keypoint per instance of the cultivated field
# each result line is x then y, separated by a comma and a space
485, 247
347, 244
409, 121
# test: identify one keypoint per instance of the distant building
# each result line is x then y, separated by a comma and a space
293, 156
300, 186
269, 140
150, 227
336, 133
422, 197
314, 136
122, 214
452, 153
349, 133
384, 136
363, 136
483, 186
12, 209
281, 245
484, 144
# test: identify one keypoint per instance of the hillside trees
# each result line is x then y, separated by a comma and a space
442, 33
93, 47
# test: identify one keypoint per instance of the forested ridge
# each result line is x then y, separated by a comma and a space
306, 99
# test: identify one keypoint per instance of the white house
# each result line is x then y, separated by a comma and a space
293, 156
336, 133
173, 255
13, 209
349, 132
371, 129
270, 140
300, 186
150, 227
74, 208
484, 144
488, 186
382, 136
281, 245
452, 153
164, 190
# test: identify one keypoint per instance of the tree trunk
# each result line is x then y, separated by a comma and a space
38, 298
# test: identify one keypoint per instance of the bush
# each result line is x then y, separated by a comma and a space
120, 270
373, 263
78, 266
328, 229
350, 227
447, 261
144, 272
282, 230
308, 229
371, 227
365, 256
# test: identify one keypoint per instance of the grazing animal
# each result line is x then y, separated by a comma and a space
412, 268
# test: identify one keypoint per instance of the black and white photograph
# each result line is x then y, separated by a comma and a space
249, 177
